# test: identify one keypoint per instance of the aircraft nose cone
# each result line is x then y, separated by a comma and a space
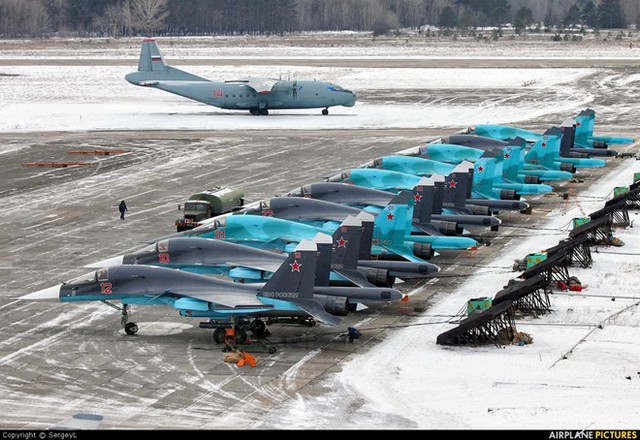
48, 294
352, 100
114, 261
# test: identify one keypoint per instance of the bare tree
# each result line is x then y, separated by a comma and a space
149, 15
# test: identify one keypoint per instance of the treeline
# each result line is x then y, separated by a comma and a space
43, 18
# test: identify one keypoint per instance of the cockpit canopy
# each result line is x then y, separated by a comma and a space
159, 247
337, 88
375, 163
220, 223
345, 175
90, 277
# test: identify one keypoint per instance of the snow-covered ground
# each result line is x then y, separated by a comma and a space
54, 98
409, 381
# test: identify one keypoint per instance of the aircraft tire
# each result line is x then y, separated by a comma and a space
258, 327
264, 112
131, 328
325, 111
254, 111
218, 335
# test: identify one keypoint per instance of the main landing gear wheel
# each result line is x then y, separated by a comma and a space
264, 112
219, 335
131, 328
258, 327
254, 111
325, 111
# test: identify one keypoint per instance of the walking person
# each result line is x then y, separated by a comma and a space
122, 208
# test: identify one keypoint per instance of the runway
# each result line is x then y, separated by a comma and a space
60, 359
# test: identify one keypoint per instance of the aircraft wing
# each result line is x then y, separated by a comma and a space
428, 229
404, 252
224, 297
260, 85
257, 265
356, 277
315, 309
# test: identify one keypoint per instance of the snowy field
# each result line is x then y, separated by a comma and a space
54, 98
406, 381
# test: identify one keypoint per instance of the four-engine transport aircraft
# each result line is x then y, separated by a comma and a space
257, 95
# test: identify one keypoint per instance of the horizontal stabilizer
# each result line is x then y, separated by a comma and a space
404, 252
355, 276
315, 309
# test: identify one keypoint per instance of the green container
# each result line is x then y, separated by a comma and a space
477, 305
533, 259
579, 221
619, 190
636, 177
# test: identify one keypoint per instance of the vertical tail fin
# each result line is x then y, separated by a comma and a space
151, 59
483, 176
153, 68
552, 137
585, 122
346, 244
423, 201
568, 129
296, 276
391, 225
294, 282
324, 245
512, 158
457, 186
366, 239
537, 153
438, 193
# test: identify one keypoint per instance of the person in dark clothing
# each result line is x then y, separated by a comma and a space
122, 208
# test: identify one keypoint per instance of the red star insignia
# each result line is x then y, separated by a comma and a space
453, 184
577, 124
481, 169
389, 216
544, 144
417, 198
506, 155
295, 266
342, 242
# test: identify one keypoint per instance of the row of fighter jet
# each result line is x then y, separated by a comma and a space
319, 251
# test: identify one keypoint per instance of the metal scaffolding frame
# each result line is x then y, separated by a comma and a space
492, 326
528, 297
554, 268
596, 231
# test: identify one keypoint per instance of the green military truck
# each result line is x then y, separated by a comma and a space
207, 204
